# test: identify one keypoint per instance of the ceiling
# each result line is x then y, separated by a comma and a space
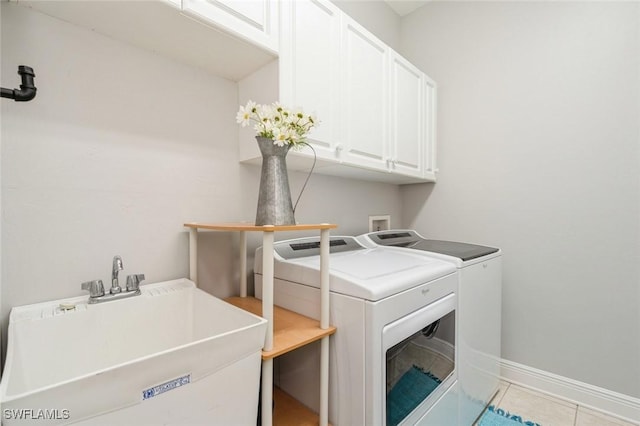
405, 7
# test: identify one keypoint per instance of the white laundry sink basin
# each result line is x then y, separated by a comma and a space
173, 355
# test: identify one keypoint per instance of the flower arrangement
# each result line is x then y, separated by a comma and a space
282, 125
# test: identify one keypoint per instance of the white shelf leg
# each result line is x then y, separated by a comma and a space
324, 382
243, 264
267, 286
324, 323
267, 313
324, 278
193, 255
266, 405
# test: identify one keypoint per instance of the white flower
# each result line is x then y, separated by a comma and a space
277, 108
280, 136
298, 115
251, 107
243, 117
276, 122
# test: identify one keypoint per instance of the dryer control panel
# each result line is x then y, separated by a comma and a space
304, 247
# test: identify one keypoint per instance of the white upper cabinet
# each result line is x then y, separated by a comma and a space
164, 28
256, 21
309, 76
376, 110
364, 97
407, 114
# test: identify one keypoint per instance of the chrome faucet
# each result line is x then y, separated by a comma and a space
133, 282
96, 288
116, 267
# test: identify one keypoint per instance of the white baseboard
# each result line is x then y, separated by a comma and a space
584, 394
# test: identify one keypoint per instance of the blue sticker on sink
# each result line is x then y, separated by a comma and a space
165, 387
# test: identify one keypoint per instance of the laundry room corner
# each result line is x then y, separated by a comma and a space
538, 136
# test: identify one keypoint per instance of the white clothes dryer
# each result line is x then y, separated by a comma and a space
392, 358
479, 311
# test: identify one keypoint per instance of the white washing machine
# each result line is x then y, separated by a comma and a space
479, 311
392, 358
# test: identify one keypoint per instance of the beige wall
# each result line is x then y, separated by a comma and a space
539, 151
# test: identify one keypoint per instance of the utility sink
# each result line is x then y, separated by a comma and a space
173, 355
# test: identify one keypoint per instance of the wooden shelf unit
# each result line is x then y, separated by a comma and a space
286, 330
290, 330
289, 412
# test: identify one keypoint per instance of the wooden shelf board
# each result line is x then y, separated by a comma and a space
290, 412
239, 226
290, 330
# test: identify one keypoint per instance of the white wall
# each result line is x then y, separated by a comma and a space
119, 149
539, 150
376, 16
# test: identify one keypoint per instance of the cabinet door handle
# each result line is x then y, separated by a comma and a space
338, 150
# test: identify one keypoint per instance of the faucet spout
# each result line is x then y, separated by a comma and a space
96, 289
116, 268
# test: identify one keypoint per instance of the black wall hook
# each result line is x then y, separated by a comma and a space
27, 89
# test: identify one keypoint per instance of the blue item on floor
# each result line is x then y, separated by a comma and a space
498, 417
412, 388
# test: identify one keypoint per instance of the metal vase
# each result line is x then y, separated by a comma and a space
274, 198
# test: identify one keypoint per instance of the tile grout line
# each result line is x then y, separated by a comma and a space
563, 402
505, 392
499, 400
532, 393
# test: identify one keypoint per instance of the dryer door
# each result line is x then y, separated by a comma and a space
419, 350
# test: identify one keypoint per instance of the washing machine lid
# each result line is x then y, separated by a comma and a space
354, 270
411, 239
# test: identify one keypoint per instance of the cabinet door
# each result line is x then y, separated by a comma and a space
364, 100
431, 102
407, 116
253, 20
309, 70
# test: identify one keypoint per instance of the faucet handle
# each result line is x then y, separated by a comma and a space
133, 281
95, 288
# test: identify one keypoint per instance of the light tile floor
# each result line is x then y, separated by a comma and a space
548, 410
